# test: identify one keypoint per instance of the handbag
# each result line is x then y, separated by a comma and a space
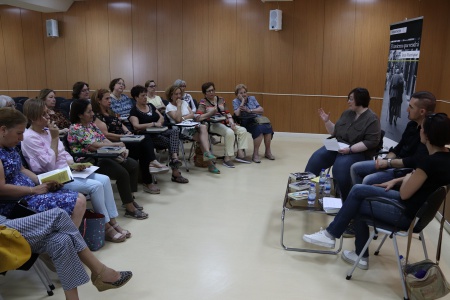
424, 279
262, 120
92, 229
14, 249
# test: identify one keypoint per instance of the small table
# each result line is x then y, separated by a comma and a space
302, 205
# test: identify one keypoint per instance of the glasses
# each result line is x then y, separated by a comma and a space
152, 86
85, 90
183, 85
210, 91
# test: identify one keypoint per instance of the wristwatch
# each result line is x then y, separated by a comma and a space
389, 162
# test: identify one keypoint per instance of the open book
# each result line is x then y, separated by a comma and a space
334, 145
331, 205
62, 176
85, 173
188, 123
111, 149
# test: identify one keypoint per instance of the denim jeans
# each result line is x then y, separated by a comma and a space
323, 159
365, 172
99, 187
355, 206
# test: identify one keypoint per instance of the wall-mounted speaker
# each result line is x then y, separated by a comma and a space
52, 28
275, 20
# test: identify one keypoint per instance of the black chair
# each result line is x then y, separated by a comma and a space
93, 156
423, 217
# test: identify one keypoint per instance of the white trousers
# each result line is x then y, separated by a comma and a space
228, 135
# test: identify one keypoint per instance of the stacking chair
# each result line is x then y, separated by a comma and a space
423, 217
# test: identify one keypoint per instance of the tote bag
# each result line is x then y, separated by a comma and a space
92, 229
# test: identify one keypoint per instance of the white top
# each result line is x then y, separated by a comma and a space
184, 110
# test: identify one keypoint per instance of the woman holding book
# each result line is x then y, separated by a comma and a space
178, 111
85, 137
359, 128
113, 129
18, 182
44, 152
432, 172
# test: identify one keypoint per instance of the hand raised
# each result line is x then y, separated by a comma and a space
324, 116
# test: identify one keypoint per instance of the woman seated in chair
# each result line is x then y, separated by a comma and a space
143, 116
185, 96
213, 105
53, 233
56, 116
359, 128
432, 172
113, 129
18, 182
85, 137
246, 108
152, 98
178, 111
44, 152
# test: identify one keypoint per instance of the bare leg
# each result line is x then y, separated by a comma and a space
71, 294
203, 138
256, 143
267, 141
79, 210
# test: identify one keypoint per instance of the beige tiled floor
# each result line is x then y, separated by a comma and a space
218, 237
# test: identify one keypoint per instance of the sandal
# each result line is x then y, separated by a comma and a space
179, 179
212, 168
151, 189
175, 163
208, 156
135, 204
269, 156
111, 235
101, 286
121, 230
156, 167
137, 214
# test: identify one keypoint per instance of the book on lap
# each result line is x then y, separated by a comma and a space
63, 175
111, 149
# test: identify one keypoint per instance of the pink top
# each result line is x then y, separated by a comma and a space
36, 148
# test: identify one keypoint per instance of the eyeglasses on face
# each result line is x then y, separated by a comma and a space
152, 86
85, 90
183, 85
210, 91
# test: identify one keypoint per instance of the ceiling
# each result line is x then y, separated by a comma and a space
45, 6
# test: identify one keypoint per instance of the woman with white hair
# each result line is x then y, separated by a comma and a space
185, 96
6, 101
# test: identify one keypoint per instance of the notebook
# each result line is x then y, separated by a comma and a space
332, 205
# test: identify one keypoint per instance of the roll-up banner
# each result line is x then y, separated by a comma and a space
401, 77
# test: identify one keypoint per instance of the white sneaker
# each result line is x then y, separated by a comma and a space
320, 239
351, 256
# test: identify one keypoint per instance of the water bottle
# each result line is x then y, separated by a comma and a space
327, 186
322, 177
312, 194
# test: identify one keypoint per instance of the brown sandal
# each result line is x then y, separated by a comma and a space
179, 179
121, 230
116, 237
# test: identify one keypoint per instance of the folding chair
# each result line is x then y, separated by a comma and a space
183, 140
423, 217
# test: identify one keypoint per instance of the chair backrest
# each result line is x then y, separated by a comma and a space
429, 209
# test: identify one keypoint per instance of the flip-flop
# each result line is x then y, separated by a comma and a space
271, 157
256, 161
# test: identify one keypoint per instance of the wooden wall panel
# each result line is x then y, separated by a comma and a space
55, 57
277, 109
308, 23
3, 74
76, 43
278, 63
435, 27
14, 52
97, 45
222, 51
195, 45
145, 50
250, 21
170, 42
339, 44
120, 38
304, 116
33, 37
369, 16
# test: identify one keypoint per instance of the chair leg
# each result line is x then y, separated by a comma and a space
399, 265
381, 244
44, 278
184, 155
424, 245
350, 272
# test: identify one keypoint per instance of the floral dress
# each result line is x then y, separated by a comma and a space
12, 165
81, 137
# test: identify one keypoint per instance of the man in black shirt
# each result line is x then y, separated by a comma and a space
407, 152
